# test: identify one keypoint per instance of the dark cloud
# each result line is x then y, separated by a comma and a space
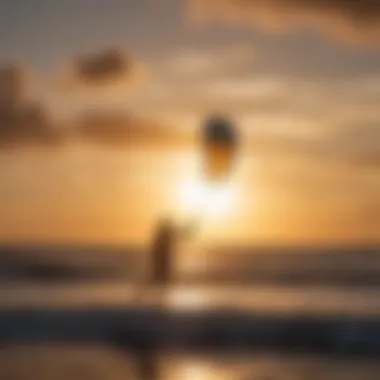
21, 122
109, 66
119, 129
359, 16
12, 84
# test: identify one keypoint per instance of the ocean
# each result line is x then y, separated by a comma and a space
230, 313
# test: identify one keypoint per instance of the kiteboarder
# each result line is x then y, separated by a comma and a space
166, 237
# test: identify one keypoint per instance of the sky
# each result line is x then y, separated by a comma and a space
101, 101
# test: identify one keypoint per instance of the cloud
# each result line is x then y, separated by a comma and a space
359, 142
119, 129
247, 88
108, 67
21, 121
358, 18
25, 122
12, 83
349, 146
209, 62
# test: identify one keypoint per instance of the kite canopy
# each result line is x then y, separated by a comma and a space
219, 130
219, 147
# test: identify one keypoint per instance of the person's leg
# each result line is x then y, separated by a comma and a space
150, 280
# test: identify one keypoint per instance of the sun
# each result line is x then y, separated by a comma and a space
205, 200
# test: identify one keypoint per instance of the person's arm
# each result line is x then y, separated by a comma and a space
189, 230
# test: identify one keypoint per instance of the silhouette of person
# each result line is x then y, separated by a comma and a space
161, 255
147, 363
165, 240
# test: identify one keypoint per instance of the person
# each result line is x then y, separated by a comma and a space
165, 240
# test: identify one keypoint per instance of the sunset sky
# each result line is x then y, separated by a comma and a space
100, 103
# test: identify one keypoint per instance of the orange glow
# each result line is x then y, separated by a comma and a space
206, 200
